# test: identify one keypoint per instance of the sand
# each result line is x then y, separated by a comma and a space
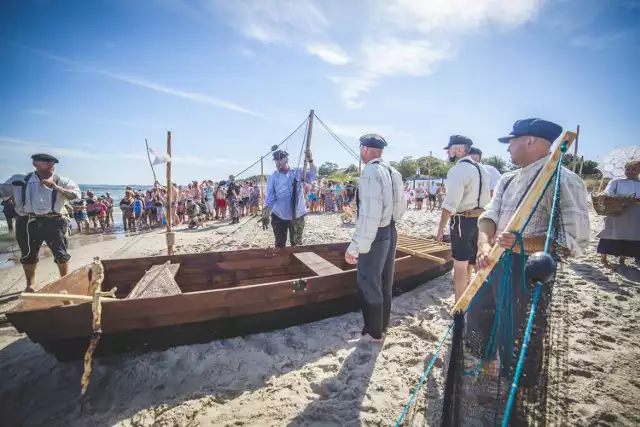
317, 374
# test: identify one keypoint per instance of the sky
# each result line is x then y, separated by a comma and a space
88, 81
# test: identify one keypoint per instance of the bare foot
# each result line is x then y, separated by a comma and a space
366, 338
603, 259
622, 261
29, 289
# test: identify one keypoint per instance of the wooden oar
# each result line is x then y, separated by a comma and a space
517, 221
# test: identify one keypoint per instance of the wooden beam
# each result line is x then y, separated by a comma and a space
424, 255
517, 221
60, 297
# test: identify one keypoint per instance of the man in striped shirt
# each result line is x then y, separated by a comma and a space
373, 246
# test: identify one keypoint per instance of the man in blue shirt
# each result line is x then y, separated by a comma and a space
279, 203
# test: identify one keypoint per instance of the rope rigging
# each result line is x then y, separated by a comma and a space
337, 138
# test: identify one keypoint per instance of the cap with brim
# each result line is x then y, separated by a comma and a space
280, 154
475, 151
41, 157
533, 127
458, 140
373, 140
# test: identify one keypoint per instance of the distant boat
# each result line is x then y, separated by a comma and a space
220, 295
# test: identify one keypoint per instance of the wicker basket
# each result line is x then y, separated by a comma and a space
607, 205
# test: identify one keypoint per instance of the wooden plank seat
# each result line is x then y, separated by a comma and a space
158, 281
319, 265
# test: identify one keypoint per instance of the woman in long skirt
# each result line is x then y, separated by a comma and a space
621, 234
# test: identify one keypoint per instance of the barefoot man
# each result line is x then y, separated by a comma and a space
467, 195
380, 201
40, 198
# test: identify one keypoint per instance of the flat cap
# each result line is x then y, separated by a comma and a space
475, 151
373, 140
458, 140
280, 154
533, 127
41, 157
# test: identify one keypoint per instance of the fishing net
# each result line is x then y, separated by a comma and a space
499, 364
157, 282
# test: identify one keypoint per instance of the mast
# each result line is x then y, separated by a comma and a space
169, 218
575, 151
294, 193
308, 147
261, 182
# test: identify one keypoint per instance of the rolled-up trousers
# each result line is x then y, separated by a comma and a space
375, 281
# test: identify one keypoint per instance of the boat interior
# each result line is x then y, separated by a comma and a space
208, 271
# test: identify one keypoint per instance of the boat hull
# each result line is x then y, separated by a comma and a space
153, 324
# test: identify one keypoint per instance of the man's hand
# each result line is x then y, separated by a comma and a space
48, 182
506, 239
350, 259
265, 222
440, 236
482, 259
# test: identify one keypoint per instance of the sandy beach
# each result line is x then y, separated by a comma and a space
317, 374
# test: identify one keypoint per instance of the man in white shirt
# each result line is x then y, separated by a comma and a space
373, 246
467, 195
476, 155
42, 217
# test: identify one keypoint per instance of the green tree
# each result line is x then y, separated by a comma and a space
499, 163
351, 169
407, 167
327, 169
589, 168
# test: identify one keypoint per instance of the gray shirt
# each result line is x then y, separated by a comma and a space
38, 197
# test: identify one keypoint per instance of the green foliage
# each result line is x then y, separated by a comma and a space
499, 163
351, 169
327, 169
428, 165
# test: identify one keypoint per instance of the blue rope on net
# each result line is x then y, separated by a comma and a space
506, 299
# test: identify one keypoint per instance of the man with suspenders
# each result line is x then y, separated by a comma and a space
380, 204
467, 195
40, 198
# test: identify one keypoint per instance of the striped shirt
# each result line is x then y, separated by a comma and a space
378, 203
573, 205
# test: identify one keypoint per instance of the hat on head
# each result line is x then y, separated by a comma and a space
373, 140
475, 151
533, 127
41, 157
458, 140
280, 154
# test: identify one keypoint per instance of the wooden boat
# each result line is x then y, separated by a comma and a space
223, 294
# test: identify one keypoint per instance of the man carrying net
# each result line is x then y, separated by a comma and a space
497, 319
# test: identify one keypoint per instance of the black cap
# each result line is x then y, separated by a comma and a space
373, 140
533, 127
41, 157
475, 151
458, 140
280, 154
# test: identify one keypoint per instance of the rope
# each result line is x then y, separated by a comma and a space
337, 138
283, 141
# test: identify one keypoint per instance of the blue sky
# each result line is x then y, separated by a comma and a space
89, 81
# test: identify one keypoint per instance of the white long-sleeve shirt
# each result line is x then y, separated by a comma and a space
38, 197
463, 185
378, 204
573, 205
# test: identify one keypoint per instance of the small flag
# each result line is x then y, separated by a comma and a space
158, 159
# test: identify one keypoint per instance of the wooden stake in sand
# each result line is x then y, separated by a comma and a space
517, 221
97, 274
170, 234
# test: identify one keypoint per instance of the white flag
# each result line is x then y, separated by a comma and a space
159, 159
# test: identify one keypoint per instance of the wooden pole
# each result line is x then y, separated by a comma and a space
359, 167
516, 222
261, 183
308, 147
575, 151
150, 164
581, 165
170, 234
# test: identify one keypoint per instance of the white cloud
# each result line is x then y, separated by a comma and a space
9, 145
193, 96
274, 21
331, 53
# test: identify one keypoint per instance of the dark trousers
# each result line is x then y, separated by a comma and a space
32, 232
375, 281
282, 226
